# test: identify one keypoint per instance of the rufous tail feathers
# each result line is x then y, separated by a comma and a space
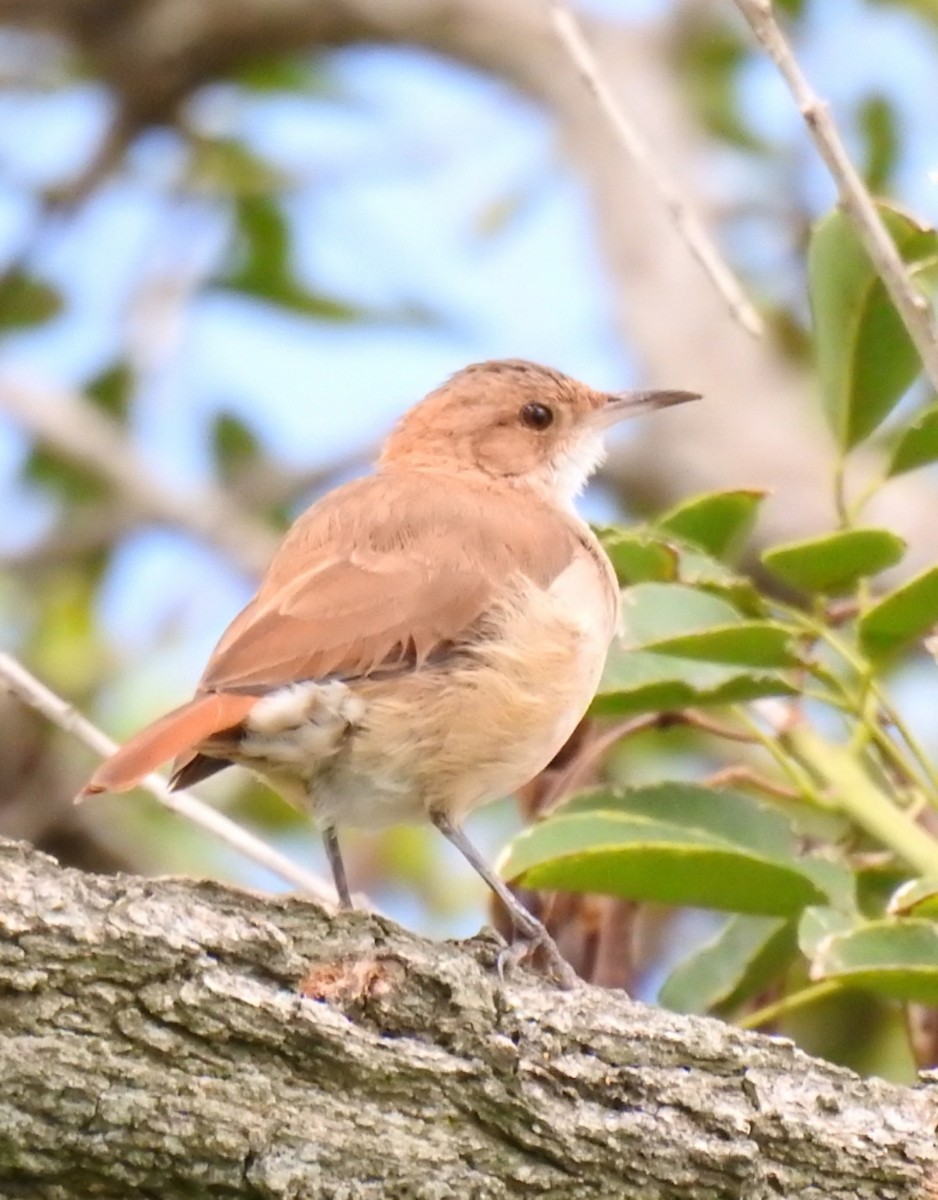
180, 731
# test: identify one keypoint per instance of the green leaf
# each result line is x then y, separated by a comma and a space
747, 643
234, 443
878, 882
25, 301
700, 570
917, 445
229, 167
640, 681
729, 816
641, 677
835, 561
621, 850
901, 617
112, 389
866, 360
710, 55
652, 612
917, 898
637, 557
747, 954
879, 125
264, 268
279, 73
60, 473
62, 647
896, 958
819, 922
717, 522
644, 556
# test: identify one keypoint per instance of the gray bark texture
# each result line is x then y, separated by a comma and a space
175, 1038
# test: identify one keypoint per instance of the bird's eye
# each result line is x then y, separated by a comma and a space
537, 416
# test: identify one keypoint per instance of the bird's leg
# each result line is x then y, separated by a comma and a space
523, 921
334, 854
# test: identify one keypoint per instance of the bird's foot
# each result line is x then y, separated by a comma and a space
537, 950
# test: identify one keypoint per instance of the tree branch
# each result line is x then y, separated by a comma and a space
686, 221
69, 424
177, 1038
857, 203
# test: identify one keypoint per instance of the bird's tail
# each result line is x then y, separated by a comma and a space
178, 733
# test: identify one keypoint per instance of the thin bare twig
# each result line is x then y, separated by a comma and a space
855, 199
24, 685
596, 746
707, 724
73, 427
743, 776
681, 212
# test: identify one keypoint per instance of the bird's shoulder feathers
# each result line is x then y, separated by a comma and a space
385, 573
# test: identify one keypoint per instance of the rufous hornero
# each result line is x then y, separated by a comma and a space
427, 637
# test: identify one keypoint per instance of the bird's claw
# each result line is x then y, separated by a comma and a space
539, 951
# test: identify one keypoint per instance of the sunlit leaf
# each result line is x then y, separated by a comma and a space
699, 569
866, 360
896, 958
643, 673
902, 616
648, 555
917, 444
745, 956
819, 922
652, 612
747, 643
916, 898
717, 522
834, 562
719, 813
622, 850
638, 557
639, 681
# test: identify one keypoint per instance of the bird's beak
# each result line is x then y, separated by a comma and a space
620, 405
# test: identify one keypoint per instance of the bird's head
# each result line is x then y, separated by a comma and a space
514, 420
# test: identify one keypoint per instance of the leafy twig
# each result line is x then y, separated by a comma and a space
856, 201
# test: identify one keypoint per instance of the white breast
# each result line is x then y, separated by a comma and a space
580, 595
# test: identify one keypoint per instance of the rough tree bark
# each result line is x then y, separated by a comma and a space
176, 1038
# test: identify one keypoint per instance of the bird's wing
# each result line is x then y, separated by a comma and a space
384, 574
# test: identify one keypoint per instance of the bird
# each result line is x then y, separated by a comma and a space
426, 637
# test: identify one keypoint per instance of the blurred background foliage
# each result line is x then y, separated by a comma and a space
233, 251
